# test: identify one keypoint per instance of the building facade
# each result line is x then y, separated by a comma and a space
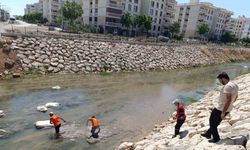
239, 26
162, 13
4, 15
33, 8
191, 15
51, 9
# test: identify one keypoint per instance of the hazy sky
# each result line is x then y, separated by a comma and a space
239, 7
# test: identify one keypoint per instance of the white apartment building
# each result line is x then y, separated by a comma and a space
4, 15
105, 14
32, 8
194, 13
132, 6
51, 9
239, 26
161, 12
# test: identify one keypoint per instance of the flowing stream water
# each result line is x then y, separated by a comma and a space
128, 105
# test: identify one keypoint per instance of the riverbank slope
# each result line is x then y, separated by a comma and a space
234, 130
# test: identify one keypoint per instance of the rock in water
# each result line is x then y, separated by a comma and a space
2, 132
43, 124
52, 104
2, 114
42, 108
56, 87
93, 140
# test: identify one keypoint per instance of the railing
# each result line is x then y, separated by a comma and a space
113, 24
114, 14
114, 5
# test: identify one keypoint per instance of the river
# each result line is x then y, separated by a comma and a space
128, 105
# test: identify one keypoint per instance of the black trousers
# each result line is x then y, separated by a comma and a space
178, 126
214, 122
57, 128
94, 133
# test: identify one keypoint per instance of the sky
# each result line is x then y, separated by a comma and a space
239, 7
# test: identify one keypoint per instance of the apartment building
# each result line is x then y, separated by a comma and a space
51, 9
239, 26
4, 15
162, 13
107, 14
191, 15
32, 8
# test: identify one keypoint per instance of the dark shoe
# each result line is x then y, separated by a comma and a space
173, 136
206, 136
213, 141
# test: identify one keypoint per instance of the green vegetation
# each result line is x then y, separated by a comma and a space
105, 73
143, 22
71, 11
175, 29
228, 37
203, 29
35, 18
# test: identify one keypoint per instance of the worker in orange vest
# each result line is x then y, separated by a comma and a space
95, 126
54, 119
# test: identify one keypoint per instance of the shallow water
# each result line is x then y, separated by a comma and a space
127, 104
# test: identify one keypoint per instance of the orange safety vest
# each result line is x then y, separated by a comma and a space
55, 120
95, 122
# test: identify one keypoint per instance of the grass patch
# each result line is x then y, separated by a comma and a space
32, 72
105, 73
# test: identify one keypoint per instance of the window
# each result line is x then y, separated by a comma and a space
136, 1
152, 4
95, 19
160, 13
156, 13
96, 10
159, 28
96, 1
162, 6
151, 12
159, 21
135, 8
90, 19
130, 1
155, 20
129, 7
154, 28
157, 5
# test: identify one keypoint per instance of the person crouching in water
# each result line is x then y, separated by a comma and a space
54, 119
95, 127
180, 116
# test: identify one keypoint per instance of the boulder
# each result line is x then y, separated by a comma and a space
6, 48
2, 114
52, 104
16, 75
126, 146
9, 64
2, 132
43, 124
41, 108
56, 87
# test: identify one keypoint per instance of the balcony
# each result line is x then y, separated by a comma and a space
109, 14
113, 24
114, 5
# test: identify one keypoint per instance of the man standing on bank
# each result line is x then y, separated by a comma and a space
228, 95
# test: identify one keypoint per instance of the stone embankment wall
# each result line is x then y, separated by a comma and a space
50, 55
234, 130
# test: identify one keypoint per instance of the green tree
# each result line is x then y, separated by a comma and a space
228, 37
71, 11
34, 18
203, 29
134, 23
126, 20
175, 29
148, 23
144, 22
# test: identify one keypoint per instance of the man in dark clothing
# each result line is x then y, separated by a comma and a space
180, 116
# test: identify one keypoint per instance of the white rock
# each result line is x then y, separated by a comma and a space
2, 132
56, 87
43, 124
150, 147
41, 108
52, 104
126, 146
2, 114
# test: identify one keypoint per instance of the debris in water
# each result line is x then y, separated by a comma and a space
42, 108
56, 87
